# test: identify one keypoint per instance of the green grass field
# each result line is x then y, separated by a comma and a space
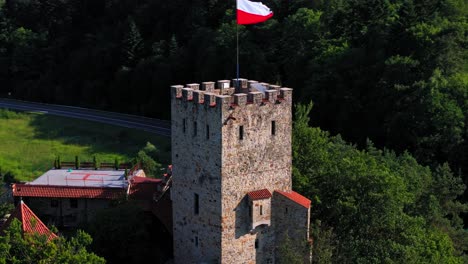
29, 142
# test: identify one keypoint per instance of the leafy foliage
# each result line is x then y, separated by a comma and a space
291, 253
149, 158
378, 206
34, 248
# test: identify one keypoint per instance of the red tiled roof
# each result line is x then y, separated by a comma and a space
259, 194
30, 190
295, 197
30, 223
142, 188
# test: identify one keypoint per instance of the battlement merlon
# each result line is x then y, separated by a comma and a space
223, 95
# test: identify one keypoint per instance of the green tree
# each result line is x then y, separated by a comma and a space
323, 243
380, 207
290, 253
17, 247
304, 27
5, 208
148, 158
131, 44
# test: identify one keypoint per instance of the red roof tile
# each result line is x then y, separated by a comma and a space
30, 223
30, 190
259, 194
142, 188
295, 197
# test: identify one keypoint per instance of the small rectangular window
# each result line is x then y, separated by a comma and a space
184, 125
53, 203
195, 128
256, 243
241, 132
207, 132
73, 203
261, 209
196, 204
196, 241
273, 127
285, 210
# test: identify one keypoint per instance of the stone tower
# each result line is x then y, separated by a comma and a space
231, 156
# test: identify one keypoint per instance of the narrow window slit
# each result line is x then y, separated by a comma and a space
196, 204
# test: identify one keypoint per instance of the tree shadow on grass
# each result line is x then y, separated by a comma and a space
98, 138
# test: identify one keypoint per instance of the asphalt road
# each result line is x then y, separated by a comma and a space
156, 126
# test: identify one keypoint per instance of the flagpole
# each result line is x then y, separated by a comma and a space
237, 55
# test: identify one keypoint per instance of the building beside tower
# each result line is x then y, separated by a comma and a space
231, 189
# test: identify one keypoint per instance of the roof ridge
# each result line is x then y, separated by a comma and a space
21, 210
67, 191
66, 186
21, 213
41, 224
296, 197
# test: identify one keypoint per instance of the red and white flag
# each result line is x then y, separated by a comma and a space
249, 12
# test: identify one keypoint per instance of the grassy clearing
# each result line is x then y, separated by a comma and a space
29, 142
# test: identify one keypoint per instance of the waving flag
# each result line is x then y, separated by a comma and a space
249, 12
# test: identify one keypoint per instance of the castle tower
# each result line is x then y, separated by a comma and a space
231, 156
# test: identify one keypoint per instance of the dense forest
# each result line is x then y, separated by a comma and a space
390, 76
374, 206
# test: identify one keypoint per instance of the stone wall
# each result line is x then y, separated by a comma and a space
58, 211
225, 145
196, 175
260, 160
291, 222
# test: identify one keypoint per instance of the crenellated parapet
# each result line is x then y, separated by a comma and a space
223, 94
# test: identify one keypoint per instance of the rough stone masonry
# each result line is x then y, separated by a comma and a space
231, 192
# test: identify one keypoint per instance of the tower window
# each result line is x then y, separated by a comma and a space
195, 128
285, 210
273, 127
196, 204
207, 132
256, 243
184, 125
261, 209
241, 132
196, 241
